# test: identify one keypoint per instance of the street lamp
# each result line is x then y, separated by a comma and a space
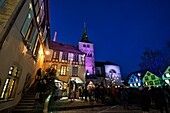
47, 52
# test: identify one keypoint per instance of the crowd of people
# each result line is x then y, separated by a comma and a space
45, 83
147, 98
153, 97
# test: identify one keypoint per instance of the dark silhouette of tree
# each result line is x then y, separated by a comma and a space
154, 61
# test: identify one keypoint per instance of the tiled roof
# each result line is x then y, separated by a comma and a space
99, 63
64, 47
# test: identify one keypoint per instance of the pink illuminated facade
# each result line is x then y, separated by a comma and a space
87, 47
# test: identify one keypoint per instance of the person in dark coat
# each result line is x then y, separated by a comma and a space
145, 100
125, 98
39, 74
161, 102
40, 90
97, 93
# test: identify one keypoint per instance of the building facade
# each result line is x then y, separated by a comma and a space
166, 76
23, 32
69, 63
108, 73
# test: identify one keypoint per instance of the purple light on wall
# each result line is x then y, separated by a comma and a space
89, 59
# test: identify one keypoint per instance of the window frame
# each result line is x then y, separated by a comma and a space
63, 70
8, 90
75, 71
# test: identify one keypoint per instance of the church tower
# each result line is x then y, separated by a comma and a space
87, 47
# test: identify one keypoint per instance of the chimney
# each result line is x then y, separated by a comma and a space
55, 34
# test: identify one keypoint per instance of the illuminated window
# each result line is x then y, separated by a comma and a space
54, 66
136, 80
146, 83
167, 81
64, 57
8, 90
83, 60
27, 37
139, 74
167, 75
75, 71
139, 84
63, 70
55, 56
27, 22
36, 48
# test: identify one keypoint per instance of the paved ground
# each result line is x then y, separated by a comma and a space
81, 106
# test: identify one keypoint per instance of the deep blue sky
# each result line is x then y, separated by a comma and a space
119, 29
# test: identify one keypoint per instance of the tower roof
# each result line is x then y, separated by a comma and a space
85, 36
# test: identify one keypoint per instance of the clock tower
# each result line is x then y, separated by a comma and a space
87, 47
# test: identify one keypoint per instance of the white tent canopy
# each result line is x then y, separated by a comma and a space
77, 80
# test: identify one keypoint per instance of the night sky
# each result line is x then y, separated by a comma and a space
119, 29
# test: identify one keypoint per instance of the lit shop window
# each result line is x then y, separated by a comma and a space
63, 70
8, 90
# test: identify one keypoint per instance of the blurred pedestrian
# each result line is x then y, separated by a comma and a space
56, 94
161, 102
38, 74
125, 98
145, 100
